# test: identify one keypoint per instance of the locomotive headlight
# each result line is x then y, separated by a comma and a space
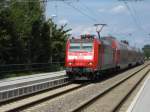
90, 63
70, 63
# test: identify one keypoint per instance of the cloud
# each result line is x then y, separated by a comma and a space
88, 30
119, 9
114, 10
63, 21
101, 10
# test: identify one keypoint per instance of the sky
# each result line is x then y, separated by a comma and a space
125, 20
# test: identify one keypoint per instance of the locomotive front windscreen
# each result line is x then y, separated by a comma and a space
75, 47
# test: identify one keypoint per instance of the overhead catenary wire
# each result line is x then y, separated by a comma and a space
99, 16
138, 19
92, 16
92, 19
69, 4
91, 11
133, 17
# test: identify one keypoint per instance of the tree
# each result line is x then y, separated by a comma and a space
16, 23
40, 43
50, 43
146, 50
10, 44
25, 35
58, 41
25, 16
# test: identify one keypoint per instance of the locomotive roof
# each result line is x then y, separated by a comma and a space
106, 40
84, 38
81, 40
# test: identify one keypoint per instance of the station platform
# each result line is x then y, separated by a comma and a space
141, 102
11, 83
20, 86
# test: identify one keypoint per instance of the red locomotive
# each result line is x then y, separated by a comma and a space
88, 56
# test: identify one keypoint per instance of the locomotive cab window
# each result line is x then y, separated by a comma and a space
74, 47
87, 47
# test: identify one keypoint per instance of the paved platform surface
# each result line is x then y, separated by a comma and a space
27, 80
141, 102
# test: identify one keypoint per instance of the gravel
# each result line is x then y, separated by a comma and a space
108, 102
68, 101
128, 101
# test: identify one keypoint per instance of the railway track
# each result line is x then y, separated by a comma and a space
63, 98
80, 99
34, 99
109, 100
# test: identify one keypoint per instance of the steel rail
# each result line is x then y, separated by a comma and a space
104, 92
50, 97
121, 102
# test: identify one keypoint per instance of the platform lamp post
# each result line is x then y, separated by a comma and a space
51, 35
99, 28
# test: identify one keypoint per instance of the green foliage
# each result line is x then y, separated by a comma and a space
58, 41
146, 50
10, 44
26, 37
